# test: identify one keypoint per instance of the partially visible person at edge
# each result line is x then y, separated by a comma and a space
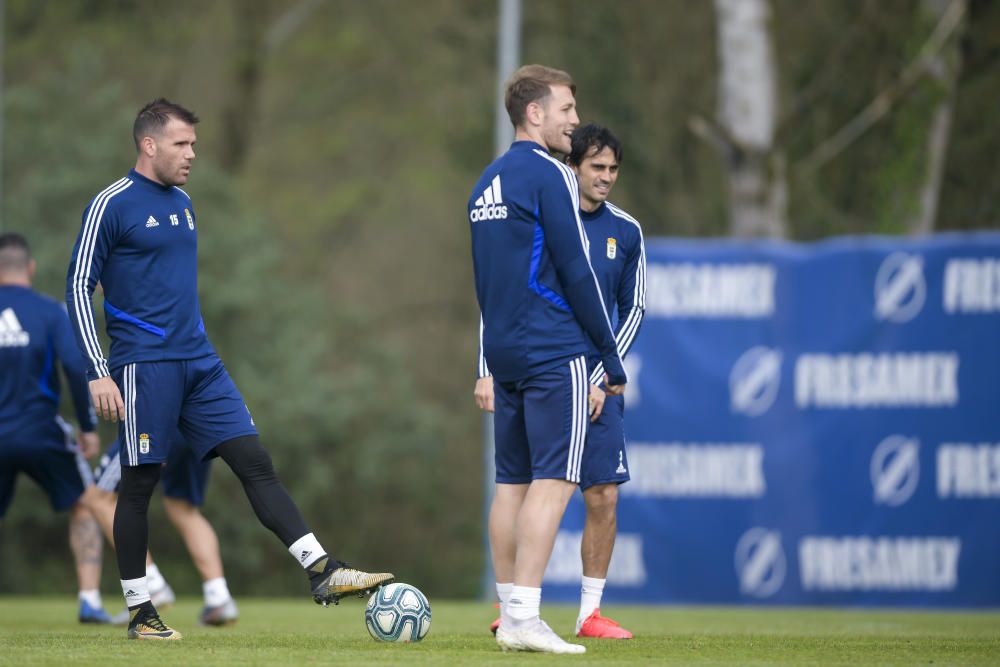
35, 340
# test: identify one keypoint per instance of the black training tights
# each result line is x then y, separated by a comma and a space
269, 499
252, 465
131, 525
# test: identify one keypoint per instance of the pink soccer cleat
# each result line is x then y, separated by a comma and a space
495, 624
600, 627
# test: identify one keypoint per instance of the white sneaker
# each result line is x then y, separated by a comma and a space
507, 640
535, 636
162, 597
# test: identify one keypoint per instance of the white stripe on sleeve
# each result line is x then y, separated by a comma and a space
81, 276
630, 328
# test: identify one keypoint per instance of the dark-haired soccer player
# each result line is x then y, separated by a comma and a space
35, 340
139, 240
619, 261
540, 302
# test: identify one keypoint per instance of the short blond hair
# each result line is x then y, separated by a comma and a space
532, 83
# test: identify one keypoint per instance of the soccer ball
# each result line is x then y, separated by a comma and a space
398, 613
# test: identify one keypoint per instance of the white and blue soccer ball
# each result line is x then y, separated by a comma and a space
398, 613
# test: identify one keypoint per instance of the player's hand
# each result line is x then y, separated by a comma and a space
484, 393
613, 389
597, 397
89, 444
107, 399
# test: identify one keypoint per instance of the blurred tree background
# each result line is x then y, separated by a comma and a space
337, 147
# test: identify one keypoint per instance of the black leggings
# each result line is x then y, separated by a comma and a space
252, 465
269, 499
131, 525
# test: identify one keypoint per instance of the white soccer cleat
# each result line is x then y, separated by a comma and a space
507, 640
535, 636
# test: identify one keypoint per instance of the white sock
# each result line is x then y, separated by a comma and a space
92, 596
136, 592
307, 550
591, 591
216, 592
523, 605
154, 580
503, 592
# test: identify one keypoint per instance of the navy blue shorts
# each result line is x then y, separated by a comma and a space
540, 425
51, 458
184, 475
195, 395
604, 458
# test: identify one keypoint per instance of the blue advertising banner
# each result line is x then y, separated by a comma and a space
810, 424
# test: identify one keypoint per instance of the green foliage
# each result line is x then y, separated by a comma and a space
833, 63
640, 72
45, 188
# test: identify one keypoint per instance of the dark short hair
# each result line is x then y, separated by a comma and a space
14, 252
593, 136
153, 117
532, 83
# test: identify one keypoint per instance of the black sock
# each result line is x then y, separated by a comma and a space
144, 608
322, 567
269, 499
131, 527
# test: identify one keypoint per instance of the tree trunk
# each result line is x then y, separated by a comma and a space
946, 67
748, 114
257, 38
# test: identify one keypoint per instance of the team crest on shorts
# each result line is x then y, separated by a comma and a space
612, 248
144, 443
190, 219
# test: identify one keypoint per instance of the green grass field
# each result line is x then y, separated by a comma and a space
43, 631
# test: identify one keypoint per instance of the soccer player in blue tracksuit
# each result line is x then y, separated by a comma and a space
540, 303
619, 261
139, 240
185, 478
35, 339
